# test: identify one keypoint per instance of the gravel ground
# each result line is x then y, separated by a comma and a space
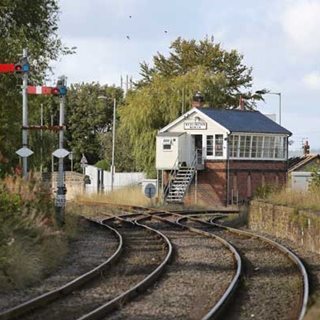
193, 282
92, 246
311, 261
271, 283
143, 252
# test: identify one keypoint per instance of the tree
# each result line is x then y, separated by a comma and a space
124, 159
24, 25
186, 56
166, 90
89, 116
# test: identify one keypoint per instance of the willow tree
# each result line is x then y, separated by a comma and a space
31, 25
167, 87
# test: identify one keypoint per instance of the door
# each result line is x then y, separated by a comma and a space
198, 148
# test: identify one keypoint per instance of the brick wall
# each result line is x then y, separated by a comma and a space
299, 226
73, 183
244, 178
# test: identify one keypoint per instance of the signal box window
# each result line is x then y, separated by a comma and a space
209, 145
218, 150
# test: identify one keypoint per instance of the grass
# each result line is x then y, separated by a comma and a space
31, 245
133, 196
126, 196
291, 198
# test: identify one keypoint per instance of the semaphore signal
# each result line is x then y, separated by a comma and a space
7, 67
44, 90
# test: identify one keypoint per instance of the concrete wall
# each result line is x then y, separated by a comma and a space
299, 226
121, 179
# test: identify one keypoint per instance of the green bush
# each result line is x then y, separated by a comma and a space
103, 164
315, 180
263, 192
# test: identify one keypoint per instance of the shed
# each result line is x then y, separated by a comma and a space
300, 170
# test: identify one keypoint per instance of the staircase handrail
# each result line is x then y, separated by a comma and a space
172, 174
192, 169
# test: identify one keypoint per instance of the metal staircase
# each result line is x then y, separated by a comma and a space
180, 181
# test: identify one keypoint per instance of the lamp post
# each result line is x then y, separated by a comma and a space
264, 91
279, 95
113, 139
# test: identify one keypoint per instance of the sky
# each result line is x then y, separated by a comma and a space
279, 39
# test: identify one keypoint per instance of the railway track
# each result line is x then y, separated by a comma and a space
199, 280
202, 281
275, 282
107, 286
80, 265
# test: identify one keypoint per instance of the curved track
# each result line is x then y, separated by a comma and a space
270, 280
85, 302
275, 281
211, 280
44, 299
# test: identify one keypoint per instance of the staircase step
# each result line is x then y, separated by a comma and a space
180, 184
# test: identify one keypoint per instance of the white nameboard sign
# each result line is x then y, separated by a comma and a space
195, 125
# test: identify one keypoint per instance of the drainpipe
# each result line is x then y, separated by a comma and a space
227, 171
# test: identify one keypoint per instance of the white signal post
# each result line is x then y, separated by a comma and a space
61, 154
25, 117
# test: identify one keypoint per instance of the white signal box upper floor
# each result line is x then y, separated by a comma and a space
206, 134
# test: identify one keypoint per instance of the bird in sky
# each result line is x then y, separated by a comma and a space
128, 37
130, 17
165, 31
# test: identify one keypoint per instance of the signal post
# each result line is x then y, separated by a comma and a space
60, 90
22, 69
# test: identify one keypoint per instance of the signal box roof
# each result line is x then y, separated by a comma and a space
232, 120
244, 121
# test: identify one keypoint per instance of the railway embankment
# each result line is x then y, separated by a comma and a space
300, 226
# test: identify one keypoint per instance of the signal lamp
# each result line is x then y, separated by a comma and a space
18, 68
55, 91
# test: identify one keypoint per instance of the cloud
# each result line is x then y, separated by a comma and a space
105, 60
312, 80
301, 25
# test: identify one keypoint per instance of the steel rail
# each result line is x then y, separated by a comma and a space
293, 257
115, 303
52, 295
228, 294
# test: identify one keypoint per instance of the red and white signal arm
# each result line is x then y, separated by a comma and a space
39, 90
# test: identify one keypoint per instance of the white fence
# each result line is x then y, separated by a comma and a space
100, 180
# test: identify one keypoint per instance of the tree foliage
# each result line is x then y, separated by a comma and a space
167, 88
186, 56
315, 180
89, 116
124, 159
24, 25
